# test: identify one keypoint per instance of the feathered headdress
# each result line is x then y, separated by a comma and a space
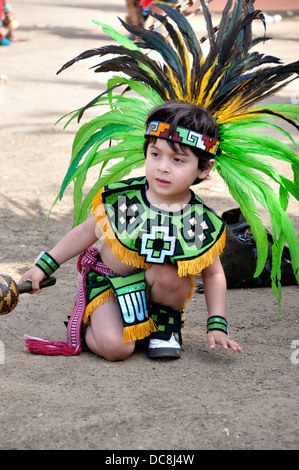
229, 81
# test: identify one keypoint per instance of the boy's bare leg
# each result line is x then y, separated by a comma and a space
164, 286
104, 336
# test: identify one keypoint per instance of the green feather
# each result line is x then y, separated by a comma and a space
142, 89
119, 170
245, 194
246, 188
120, 38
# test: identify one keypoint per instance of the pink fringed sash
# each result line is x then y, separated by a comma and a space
87, 260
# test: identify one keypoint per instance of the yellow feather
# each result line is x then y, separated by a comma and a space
231, 111
175, 84
203, 85
207, 100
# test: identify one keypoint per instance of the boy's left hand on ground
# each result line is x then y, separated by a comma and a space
217, 337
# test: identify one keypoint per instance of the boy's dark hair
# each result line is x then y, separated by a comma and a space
191, 116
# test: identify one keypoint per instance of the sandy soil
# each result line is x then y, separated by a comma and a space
206, 400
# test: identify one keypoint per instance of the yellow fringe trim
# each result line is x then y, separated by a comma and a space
196, 265
107, 296
124, 255
140, 331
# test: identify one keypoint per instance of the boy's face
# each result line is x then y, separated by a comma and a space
170, 173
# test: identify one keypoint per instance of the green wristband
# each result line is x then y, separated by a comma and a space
217, 323
46, 263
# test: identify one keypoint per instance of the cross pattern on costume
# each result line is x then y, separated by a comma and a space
157, 244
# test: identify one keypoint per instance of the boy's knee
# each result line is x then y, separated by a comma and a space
121, 353
110, 347
114, 350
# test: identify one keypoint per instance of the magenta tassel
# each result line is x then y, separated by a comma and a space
50, 348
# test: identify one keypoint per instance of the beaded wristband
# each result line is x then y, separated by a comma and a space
46, 263
217, 323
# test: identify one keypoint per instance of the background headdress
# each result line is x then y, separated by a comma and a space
229, 81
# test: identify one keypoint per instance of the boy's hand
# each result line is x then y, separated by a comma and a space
217, 337
35, 276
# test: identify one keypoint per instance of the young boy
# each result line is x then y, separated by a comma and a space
157, 235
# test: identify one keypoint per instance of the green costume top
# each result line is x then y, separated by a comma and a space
141, 234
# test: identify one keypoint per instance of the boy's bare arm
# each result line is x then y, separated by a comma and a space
75, 241
72, 244
214, 283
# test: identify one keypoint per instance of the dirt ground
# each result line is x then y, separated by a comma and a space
204, 401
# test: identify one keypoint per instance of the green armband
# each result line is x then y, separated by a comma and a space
217, 323
46, 263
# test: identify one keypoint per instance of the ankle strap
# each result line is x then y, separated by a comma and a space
167, 320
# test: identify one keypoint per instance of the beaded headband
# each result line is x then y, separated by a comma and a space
184, 136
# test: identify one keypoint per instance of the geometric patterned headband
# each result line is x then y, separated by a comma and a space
183, 136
